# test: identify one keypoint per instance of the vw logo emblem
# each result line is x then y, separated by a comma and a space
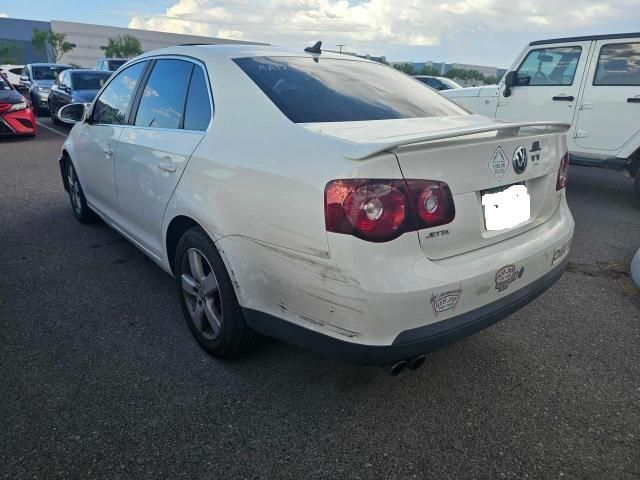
520, 160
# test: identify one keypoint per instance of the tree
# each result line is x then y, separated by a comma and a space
125, 46
427, 70
9, 53
491, 80
469, 75
404, 67
57, 41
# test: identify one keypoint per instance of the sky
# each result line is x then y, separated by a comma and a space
484, 32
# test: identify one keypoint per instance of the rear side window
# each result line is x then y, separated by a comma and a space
112, 105
163, 98
309, 90
197, 115
553, 66
618, 64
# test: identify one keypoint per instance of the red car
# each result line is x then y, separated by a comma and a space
16, 114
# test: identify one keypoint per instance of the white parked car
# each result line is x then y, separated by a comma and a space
591, 82
334, 203
12, 72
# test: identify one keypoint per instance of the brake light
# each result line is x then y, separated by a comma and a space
380, 210
563, 172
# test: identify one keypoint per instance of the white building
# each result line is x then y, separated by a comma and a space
90, 40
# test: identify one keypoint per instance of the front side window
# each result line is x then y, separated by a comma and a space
163, 98
553, 66
618, 64
197, 114
89, 81
112, 105
311, 90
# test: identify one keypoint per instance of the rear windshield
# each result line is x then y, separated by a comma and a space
89, 81
4, 85
116, 64
47, 73
332, 90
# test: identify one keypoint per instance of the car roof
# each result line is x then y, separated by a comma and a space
89, 70
248, 50
49, 65
586, 38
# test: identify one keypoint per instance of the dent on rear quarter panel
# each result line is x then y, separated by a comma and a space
304, 289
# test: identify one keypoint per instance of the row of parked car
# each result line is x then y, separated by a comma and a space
27, 91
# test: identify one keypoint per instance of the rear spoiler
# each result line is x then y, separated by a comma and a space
360, 151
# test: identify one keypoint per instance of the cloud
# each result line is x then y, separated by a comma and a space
3, 15
373, 25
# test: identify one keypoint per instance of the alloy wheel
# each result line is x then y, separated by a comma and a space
74, 189
201, 294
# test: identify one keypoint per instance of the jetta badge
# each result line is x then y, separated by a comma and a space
520, 160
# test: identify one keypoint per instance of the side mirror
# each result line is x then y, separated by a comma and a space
73, 113
509, 81
24, 78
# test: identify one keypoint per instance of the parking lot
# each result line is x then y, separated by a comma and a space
101, 378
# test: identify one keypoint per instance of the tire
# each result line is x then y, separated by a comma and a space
78, 201
207, 298
53, 116
36, 107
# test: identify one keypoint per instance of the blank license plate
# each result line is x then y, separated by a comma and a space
506, 208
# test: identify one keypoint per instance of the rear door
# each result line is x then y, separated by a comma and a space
173, 112
550, 77
610, 109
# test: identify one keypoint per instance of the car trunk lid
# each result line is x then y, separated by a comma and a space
474, 156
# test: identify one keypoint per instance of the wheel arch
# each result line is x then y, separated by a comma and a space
176, 228
64, 158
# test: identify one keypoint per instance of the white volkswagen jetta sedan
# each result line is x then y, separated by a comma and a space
326, 200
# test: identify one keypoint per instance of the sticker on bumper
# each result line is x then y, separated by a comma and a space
559, 252
445, 301
507, 275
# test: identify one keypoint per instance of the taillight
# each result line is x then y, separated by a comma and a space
563, 172
379, 210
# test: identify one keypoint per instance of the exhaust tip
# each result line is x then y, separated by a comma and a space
395, 369
417, 362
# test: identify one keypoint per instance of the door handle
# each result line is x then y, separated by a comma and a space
563, 98
167, 165
633, 100
107, 151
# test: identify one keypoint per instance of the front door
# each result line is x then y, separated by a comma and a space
610, 109
97, 139
549, 78
173, 113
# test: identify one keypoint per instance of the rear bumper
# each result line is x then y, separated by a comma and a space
408, 343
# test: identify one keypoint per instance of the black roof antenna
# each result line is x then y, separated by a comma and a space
315, 48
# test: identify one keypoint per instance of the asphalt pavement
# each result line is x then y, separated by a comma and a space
101, 378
